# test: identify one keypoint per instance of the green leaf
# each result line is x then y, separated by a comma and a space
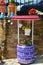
11, 1
0, 56
28, 43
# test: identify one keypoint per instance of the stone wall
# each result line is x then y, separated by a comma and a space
38, 36
12, 38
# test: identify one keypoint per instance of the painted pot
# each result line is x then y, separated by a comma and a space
25, 54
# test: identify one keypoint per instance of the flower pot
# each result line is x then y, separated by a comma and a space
25, 54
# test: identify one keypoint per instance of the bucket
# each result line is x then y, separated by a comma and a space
25, 54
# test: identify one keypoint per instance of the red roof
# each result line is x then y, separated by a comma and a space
30, 17
2, 2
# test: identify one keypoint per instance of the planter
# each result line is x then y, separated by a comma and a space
25, 54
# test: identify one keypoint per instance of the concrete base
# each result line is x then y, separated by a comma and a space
38, 61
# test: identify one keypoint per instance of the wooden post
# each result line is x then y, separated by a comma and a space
32, 31
18, 30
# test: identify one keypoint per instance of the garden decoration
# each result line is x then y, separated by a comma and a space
2, 9
11, 15
31, 9
11, 8
26, 30
2, 16
25, 48
23, 27
34, 12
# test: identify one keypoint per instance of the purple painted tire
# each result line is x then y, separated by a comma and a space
25, 54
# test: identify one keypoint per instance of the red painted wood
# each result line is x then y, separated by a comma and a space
30, 17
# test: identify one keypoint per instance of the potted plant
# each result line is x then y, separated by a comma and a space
25, 52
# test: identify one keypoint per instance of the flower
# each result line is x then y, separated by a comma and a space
1, 52
32, 11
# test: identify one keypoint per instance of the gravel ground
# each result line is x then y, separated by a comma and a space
38, 61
